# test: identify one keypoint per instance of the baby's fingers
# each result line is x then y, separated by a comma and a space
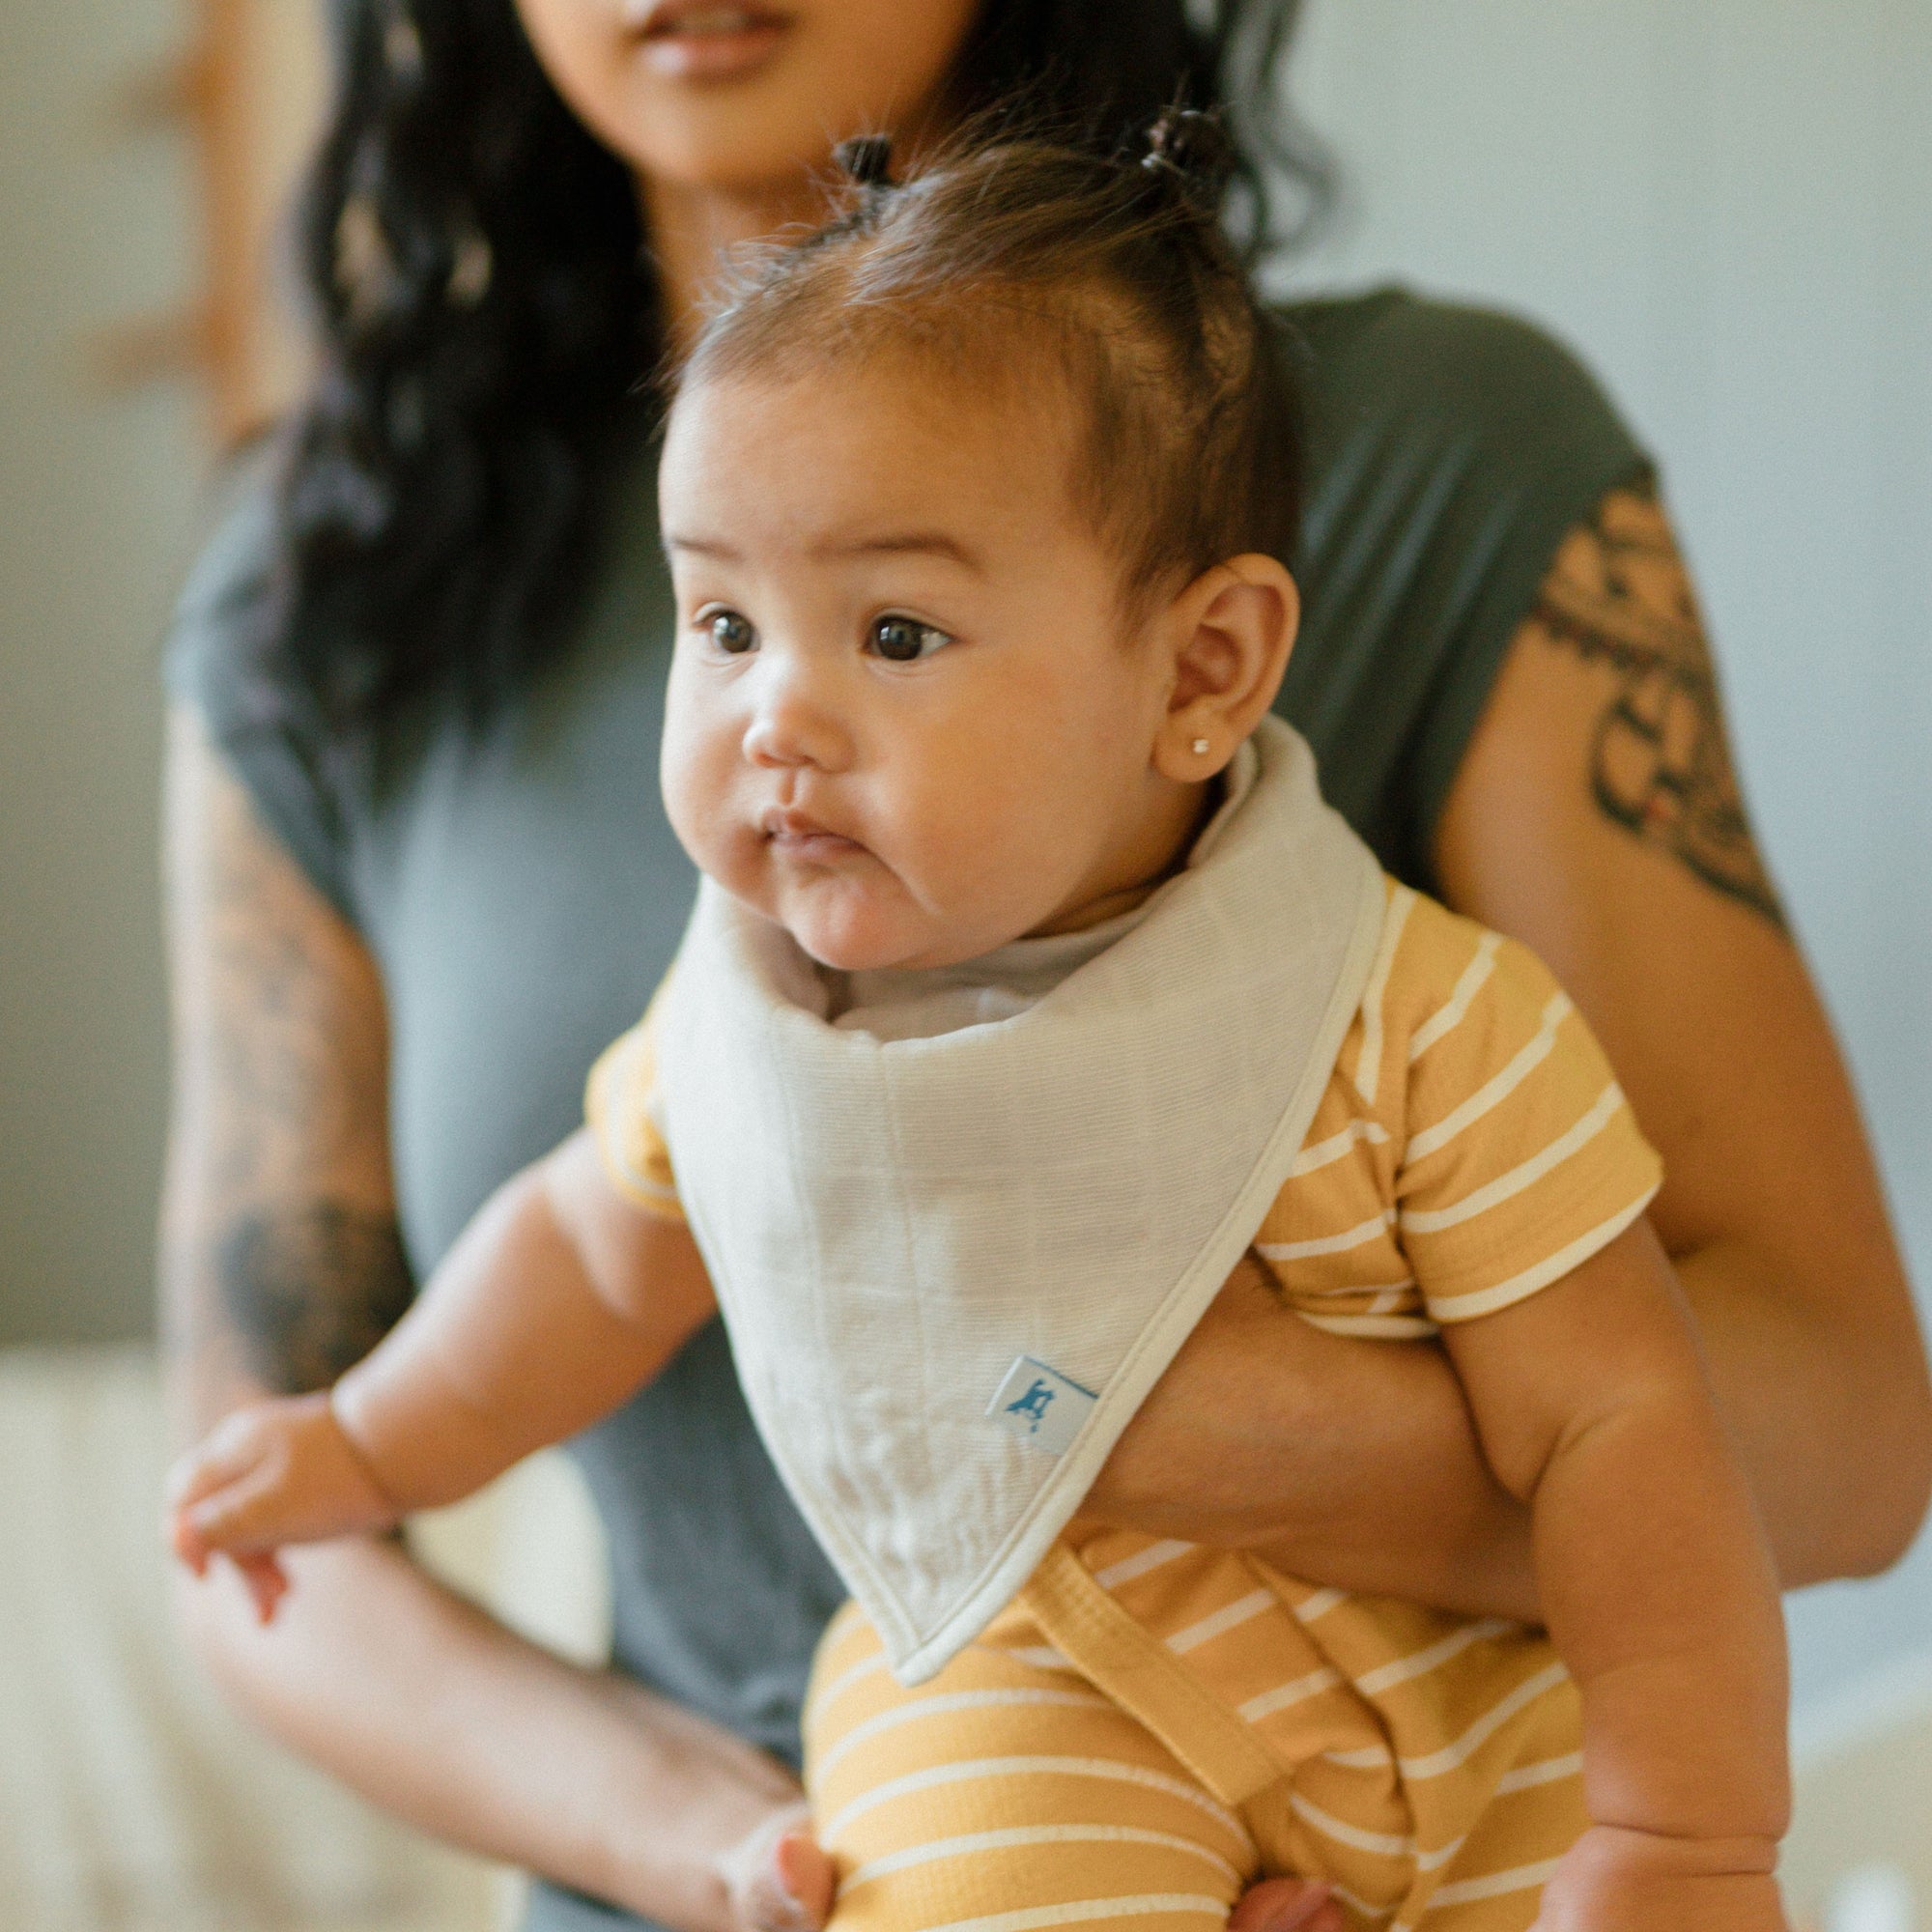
277, 1472
1287, 1905
247, 1517
230, 1450
266, 1582
225, 1494
260, 1571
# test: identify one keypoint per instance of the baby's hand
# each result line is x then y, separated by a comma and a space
1613, 1880
274, 1472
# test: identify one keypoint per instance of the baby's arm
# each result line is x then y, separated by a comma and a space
1592, 1406
558, 1302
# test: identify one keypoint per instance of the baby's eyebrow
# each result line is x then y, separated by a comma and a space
704, 547
887, 542
906, 543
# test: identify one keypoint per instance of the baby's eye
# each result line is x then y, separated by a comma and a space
731, 632
905, 639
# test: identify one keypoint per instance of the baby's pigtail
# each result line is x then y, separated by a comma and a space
1190, 152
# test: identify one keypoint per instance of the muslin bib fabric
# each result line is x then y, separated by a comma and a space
1068, 1185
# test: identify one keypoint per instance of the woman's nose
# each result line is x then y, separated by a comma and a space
795, 721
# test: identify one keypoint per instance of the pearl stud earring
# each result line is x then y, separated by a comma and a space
1200, 748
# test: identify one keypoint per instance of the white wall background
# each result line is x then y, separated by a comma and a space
1726, 204
96, 499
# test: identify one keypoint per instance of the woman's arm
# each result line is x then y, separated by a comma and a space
281, 1266
1352, 1463
1597, 818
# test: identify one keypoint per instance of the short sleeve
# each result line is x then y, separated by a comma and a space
1521, 1158
1449, 449
620, 1103
269, 733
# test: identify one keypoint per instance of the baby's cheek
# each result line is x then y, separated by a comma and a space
695, 782
1011, 866
969, 830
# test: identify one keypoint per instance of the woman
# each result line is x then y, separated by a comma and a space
418, 876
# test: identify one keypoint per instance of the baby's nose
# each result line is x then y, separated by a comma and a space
793, 723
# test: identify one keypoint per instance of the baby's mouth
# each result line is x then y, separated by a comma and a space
796, 834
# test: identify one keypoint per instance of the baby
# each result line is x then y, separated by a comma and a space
1031, 987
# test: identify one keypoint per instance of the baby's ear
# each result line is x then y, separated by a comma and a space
1230, 631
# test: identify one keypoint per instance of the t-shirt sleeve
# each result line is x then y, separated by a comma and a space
270, 734
1449, 451
620, 1105
1520, 1155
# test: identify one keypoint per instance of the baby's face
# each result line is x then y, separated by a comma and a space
904, 720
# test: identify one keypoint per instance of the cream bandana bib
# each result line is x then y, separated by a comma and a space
953, 1266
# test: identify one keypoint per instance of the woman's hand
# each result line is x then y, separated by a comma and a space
776, 1876
780, 1881
1350, 1463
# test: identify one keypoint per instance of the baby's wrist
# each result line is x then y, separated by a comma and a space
1626, 1877
350, 1425
1742, 1855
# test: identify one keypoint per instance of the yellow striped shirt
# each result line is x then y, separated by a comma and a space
1472, 1145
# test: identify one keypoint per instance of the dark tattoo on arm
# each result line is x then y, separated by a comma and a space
311, 1292
1619, 595
282, 1260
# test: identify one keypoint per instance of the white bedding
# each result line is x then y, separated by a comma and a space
130, 1799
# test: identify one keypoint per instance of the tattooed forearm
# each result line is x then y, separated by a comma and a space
1620, 596
310, 1293
281, 1264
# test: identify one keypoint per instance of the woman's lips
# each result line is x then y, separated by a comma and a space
699, 40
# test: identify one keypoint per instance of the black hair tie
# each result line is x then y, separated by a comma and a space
1193, 149
866, 160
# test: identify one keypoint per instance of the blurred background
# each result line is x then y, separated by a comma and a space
1725, 205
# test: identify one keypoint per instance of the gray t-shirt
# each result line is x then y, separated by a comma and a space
520, 890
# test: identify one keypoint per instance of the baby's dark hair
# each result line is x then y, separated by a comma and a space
1017, 256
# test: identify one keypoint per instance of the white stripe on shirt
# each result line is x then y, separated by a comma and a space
1368, 1061
1494, 1090
1432, 1220
1460, 998
1323, 1152
1553, 1268
1327, 1244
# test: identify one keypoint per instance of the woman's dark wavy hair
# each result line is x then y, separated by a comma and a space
475, 262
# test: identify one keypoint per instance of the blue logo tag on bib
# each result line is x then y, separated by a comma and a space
1040, 1405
